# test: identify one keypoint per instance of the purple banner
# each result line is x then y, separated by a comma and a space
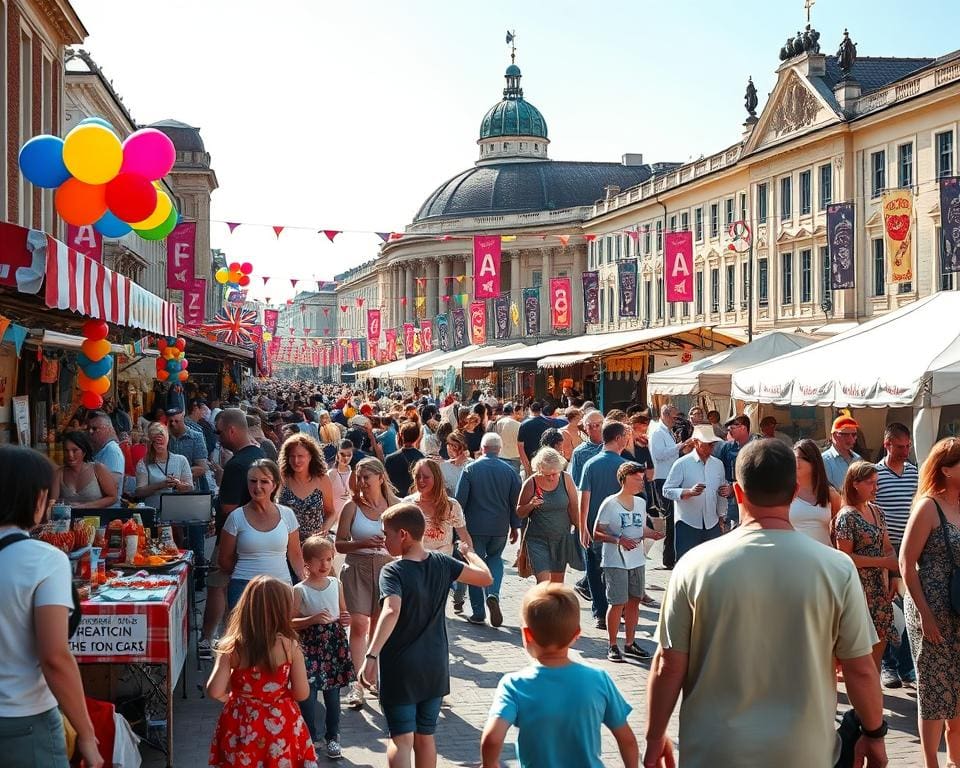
442, 338
627, 277
591, 297
501, 317
531, 311
950, 224
459, 329
840, 240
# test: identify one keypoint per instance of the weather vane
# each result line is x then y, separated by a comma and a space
808, 5
511, 41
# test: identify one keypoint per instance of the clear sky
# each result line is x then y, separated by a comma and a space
347, 115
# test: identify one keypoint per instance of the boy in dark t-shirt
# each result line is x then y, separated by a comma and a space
412, 627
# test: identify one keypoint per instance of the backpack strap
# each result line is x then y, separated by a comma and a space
13, 538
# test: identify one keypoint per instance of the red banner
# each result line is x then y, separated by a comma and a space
478, 322
426, 335
678, 266
181, 247
355, 350
270, 319
373, 331
560, 302
486, 266
407, 339
86, 240
195, 303
391, 336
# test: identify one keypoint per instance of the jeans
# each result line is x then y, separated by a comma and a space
331, 703
687, 536
34, 740
595, 580
234, 590
900, 660
490, 550
669, 550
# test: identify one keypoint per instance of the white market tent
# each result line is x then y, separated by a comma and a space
405, 367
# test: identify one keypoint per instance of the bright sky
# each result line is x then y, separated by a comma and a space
347, 115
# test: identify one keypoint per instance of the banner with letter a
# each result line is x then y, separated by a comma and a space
486, 266
181, 247
560, 302
678, 266
898, 229
88, 241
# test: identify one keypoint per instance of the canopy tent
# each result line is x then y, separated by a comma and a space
405, 367
466, 356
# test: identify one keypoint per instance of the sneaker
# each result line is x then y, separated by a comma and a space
457, 605
205, 650
614, 655
582, 591
496, 615
889, 678
601, 623
355, 697
476, 619
333, 750
634, 651
909, 679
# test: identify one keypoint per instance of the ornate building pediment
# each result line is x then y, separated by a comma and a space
794, 108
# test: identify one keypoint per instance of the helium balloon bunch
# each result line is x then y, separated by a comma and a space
100, 181
93, 379
236, 276
172, 364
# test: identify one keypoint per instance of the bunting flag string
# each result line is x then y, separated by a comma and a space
277, 231
232, 225
294, 281
331, 234
266, 279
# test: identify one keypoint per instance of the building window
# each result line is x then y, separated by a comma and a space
786, 204
659, 236
806, 276
944, 154
536, 278
905, 165
618, 241
879, 268
826, 186
647, 299
731, 287
786, 274
878, 175
743, 206
744, 283
506, 145
826, 289
762, 289
714, 290
698, 224
673, 224
536, 147
603, 303
806, 193
600, 250
698, 292
610, 304
660, 298
728, 211
646, 239
762, 203
714, 220
672, 311
685, 221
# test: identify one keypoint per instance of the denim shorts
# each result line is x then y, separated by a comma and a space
413, 718
34, 741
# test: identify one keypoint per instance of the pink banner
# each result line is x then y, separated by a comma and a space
195, 303
678, 266
407, 339
86, 240
355, 350
270, 319
560, 302
478, 322
391, 336
181, 246
486, 266
426, 335
373, 331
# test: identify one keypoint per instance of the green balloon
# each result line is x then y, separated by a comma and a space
162, 230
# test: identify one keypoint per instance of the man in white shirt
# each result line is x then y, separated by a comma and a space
508, 427
665, 451
699, 489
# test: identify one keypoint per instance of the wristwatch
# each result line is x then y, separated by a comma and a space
879, 733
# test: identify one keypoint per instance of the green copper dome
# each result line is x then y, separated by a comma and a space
513, 116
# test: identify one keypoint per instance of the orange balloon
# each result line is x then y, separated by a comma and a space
79, 203
98, 386
183, 375
163, 374
95, 349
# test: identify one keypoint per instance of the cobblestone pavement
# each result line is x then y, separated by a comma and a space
479, 655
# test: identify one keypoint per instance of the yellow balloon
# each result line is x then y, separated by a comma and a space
160, 213
267, 336
92, 153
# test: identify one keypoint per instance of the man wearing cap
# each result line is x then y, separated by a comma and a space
840, 455
698, 488
768, 429
738, 435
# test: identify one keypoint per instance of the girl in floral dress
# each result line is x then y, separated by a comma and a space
260, 675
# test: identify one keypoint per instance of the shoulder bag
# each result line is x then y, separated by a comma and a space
522, 563
954, 584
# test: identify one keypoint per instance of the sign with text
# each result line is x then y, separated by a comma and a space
86, 240
110, 635
486, 266
560, 302
181, 247
195, 303
678, 265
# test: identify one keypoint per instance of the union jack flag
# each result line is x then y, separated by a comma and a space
234, 325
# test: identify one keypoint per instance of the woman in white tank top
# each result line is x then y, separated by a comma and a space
816, 503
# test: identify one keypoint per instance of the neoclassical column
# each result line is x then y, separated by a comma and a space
577, 325
443, 284
545, 275
409, 293
515, 286
433, 288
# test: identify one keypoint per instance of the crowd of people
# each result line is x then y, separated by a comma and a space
347, 519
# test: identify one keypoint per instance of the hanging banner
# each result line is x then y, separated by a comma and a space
478, 322
950, 224
408, 339
355, 352
677, 267
627, 277
560, 302
86, 240
391, 337
443, 339
898, 228
270, 319
195, 303
840, 223
486, 266
591, 297
459, 329
501, 317
181, 247
531, 311
373, 327
426, 335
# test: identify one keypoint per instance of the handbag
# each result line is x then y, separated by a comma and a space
522, 563
954, 584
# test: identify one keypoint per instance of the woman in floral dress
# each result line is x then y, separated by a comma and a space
307, 489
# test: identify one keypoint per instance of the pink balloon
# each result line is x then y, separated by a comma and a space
148, 153
246, 268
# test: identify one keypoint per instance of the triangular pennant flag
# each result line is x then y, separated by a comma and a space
589, 238
326, 311
266, 278
460, 278
320, 284
306, 331
331, 234
634, 235
564, 239
277, 231
383, 236
326, 331
445, 297
266, 299
445, 238
343, 307
359, 301
294, 281
421, 282
395, 236
403, 300
232, 225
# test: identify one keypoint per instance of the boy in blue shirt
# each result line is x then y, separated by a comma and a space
556, 728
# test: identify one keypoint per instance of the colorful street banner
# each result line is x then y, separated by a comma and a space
390, 334
426, 335
531, 311
478, 322
591, 297
443, 338
950, 224
486, 266
373, 328
898, 229
181, 249
560, 302
408, 339
840, 241
355, 353
86, 240
627, 277
195, 304
677, 266
270, 319
501, 317
459, 328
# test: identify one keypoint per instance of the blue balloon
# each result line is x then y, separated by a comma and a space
83, 361
173, 367
97, 121
41, 162
100, 368
110, 226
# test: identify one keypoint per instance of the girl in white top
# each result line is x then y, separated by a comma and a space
816, 504
459, 459
261, 536
441, 513
161, 471
341, 476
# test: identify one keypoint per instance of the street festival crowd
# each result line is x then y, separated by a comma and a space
346, 521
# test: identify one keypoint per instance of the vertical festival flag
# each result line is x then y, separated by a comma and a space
560, 302
355, 350
426, 335
486, 266
531, 311
627, 276
373, 328
898, 228
459, 328
678, 266
478, 322
443, 340
195, 303
840, 223
950, 224
88, 241
501, 317
270, 319
391, 337
408, 339
591, 297
181, 247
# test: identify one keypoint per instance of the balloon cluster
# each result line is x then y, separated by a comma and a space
95, 364
101, 181
172, 364
237, 276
